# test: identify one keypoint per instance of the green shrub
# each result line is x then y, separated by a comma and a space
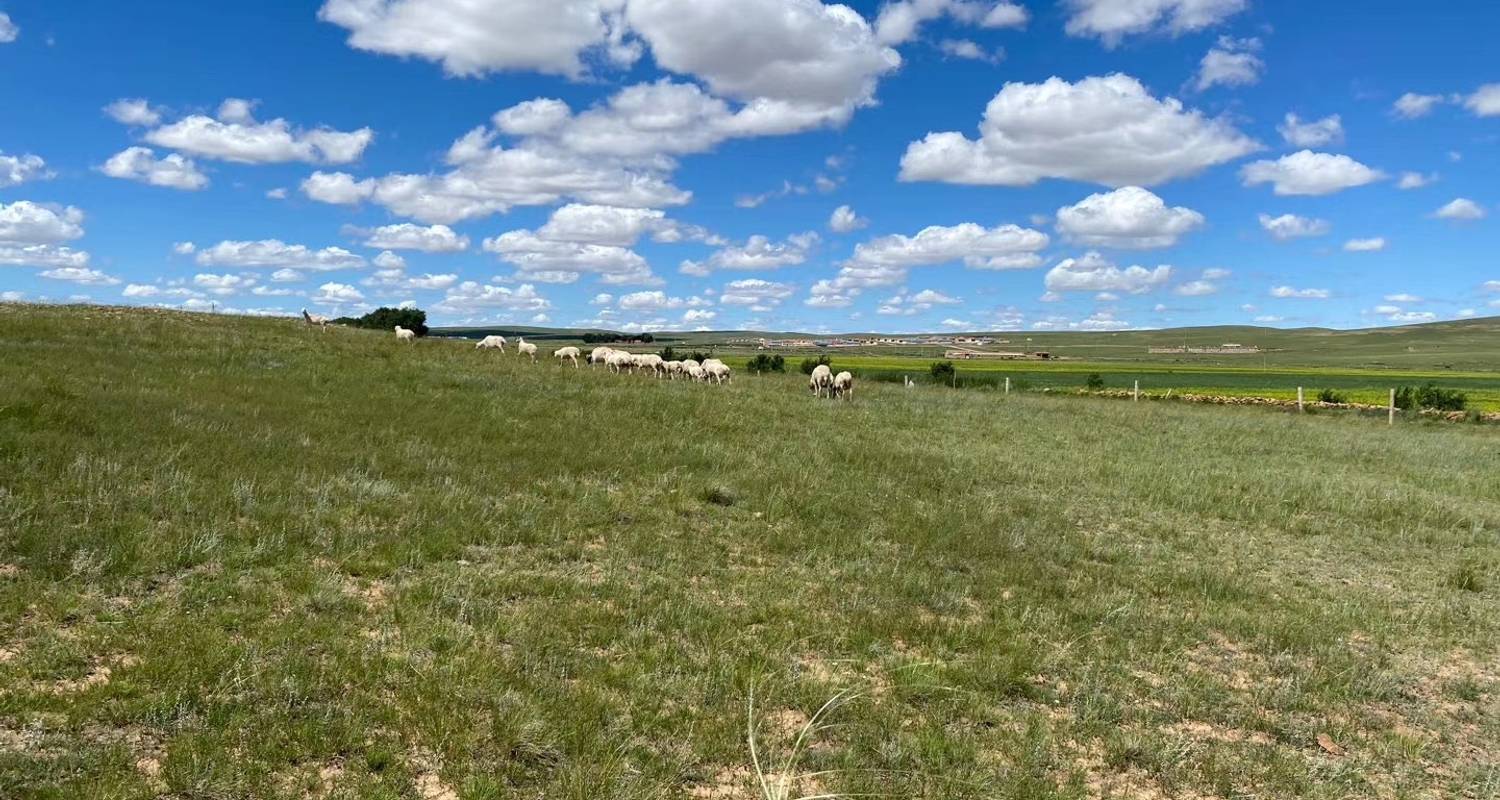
1428, 395
810, 364
943, 371
384, 319
766, 363
1330, 396
1094, 382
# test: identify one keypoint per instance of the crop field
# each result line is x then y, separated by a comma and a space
1358, 386
243, 558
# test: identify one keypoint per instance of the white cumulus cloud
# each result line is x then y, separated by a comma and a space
276, 253
1128, 217
1307, 173
1291, 226
406, 236
1112, 20
1107, 130
1312, 133
237, 136
1365, 245
1231, 62
1092, 272
141, 164
16, 170
844, 220
1461, 209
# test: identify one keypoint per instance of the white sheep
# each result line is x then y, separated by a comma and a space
695, 372
674, 368
525, 348
716, 369
315, 319
619, 361
405, 334
652, 362
843, 385
598, 354
491, 343
688, 362
821, 380
570, 353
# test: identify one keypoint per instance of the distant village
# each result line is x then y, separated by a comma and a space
1227, 349
959, 347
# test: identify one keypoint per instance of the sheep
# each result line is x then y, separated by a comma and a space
491, 343
315, 319
652, 362
619, 361
716, 369
843, 385
674, 368
598, 355
821, 380
525, 348
688, 362
570, 353
405, 334
695, 372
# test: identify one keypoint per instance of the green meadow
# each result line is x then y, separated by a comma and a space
244, 558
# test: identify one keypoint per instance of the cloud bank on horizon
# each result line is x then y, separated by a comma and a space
775, 164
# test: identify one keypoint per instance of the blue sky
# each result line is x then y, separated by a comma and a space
775, 164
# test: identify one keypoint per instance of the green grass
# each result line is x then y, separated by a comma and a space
242, 559
1358, 385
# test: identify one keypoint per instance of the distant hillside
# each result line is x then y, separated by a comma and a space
1459, 344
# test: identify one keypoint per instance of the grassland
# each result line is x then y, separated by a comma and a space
243, 559
1356, 385
1361, 365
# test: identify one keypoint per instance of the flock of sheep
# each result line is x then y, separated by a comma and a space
822, 382
711, 370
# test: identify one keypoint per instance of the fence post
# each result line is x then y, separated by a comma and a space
1299, 398
1135, 394
1007, 384
1390, 417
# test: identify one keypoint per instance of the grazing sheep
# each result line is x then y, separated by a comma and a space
652, 362
843, 385
405, 334
821, 380
619, 361
525, 348
491, 343
674, 368
688, 362
598, 354
695, 372
315, 319
570, 353
716, 369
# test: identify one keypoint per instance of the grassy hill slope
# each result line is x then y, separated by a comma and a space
1457, 345
242, 558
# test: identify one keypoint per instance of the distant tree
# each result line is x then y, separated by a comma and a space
766, 363
1094, 382
943, 371
700, 356
810, 364
1415, 398
1330, 396
668, 354
384, 319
